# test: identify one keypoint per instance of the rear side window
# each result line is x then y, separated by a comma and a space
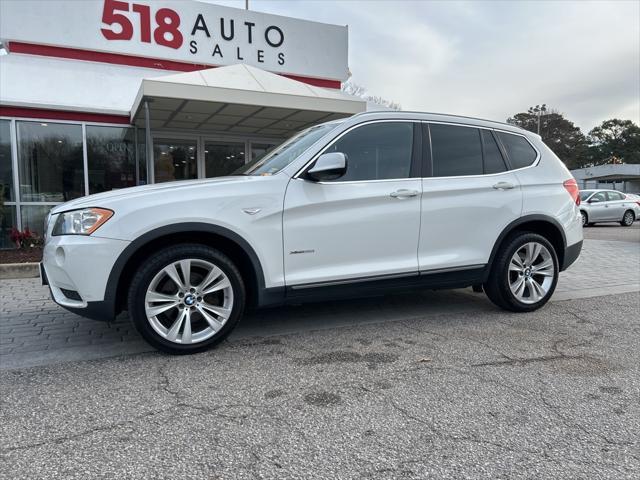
615, 196
520, 152
456, 151
376, 151
493, 161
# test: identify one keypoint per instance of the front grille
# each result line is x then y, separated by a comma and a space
71, 294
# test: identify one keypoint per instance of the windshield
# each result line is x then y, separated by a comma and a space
281, 156
584, 194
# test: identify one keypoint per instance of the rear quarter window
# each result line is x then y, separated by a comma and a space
520, 152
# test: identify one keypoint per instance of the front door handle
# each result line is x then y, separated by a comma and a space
504, 186
403, 193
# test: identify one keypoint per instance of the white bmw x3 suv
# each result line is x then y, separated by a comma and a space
375, 203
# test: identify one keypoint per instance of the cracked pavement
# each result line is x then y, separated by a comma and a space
456, 393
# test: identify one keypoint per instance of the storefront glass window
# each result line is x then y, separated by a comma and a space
260, 149
33, 217
175, 159
50, 161
111, 158
222, 158
6, 171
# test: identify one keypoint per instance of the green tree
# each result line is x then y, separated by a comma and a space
561, 135
616, 141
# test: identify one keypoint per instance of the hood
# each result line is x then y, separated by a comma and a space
105, 199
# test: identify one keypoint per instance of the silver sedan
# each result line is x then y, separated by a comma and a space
597, 206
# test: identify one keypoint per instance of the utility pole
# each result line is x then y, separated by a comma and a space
540, 110
246, 4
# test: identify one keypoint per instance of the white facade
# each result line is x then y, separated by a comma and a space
219, 86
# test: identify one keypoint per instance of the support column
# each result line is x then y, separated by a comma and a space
148, 144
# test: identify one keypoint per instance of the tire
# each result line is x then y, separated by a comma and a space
585, 218
628, 218
501, 279
189, 317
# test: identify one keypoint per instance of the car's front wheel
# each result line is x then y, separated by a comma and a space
186, 298
585, 218
524, 274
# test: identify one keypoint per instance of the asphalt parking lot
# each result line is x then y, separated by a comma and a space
436, 385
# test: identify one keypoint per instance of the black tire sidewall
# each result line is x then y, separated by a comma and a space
501, 271
159, 260
585, 219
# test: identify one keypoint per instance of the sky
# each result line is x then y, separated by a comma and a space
489, 59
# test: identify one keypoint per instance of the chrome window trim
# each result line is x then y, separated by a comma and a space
479, 127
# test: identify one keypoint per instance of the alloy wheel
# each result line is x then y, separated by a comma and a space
628, 218
189, 301
531, 272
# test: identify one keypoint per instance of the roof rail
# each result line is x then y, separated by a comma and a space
443, 115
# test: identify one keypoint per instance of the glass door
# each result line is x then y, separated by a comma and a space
222, 158
175, 159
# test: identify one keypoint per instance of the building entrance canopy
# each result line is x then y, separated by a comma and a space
237, 99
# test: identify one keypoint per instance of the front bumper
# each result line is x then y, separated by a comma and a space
76, 268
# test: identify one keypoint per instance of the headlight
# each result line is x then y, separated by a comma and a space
81, 222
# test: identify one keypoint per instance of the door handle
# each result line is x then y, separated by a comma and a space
504, 186
403, 193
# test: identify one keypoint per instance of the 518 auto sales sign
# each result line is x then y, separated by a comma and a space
181, 30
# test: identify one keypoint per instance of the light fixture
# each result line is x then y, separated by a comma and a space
206, 151
44, 124
59, 141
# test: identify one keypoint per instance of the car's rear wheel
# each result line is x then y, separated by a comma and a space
186, 298
524, 274
628, 218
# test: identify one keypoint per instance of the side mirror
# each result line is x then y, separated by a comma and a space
328, 166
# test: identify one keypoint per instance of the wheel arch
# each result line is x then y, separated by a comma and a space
543, 225
225, 240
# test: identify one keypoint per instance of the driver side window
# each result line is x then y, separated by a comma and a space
598, 197
376, 151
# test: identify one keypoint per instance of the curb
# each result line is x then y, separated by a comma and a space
10, 271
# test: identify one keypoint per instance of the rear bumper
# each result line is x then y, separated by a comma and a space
571, 254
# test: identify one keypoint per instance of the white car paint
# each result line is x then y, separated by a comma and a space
307, 232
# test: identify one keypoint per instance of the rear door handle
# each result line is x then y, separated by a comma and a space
504, 186
403, 193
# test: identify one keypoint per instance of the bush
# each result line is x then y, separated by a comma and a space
25, 238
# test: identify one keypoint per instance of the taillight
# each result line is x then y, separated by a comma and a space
571, 186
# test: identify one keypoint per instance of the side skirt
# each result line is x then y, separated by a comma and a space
377, 286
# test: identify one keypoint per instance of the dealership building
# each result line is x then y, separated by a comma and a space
105, 94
